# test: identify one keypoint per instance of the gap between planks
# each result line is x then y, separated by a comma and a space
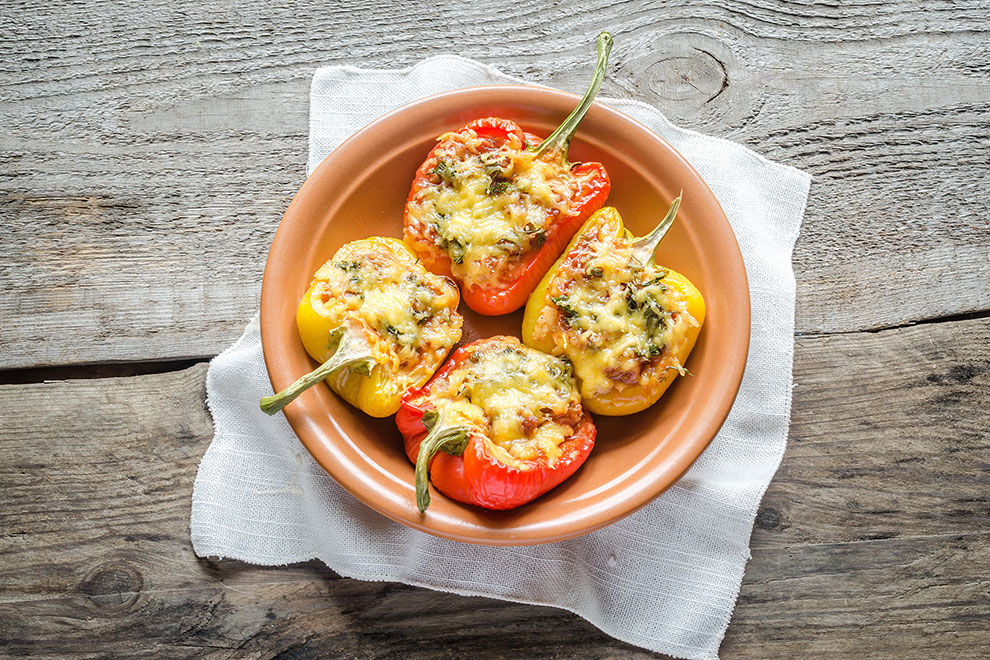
151, 367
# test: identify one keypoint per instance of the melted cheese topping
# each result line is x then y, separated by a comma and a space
488, 204
614, 316
525, 401
407, 315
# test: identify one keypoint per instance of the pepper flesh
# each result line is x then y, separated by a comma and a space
379, 392
519, 196
546, 325
482, 475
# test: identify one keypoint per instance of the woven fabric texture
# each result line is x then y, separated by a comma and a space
665, 578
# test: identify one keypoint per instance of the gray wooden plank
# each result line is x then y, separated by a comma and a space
149, 152
872, 541
889, 437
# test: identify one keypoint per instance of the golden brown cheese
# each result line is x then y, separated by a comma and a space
489, 206
614, 316
526, 401
406, 314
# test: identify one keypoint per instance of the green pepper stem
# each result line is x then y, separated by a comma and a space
645, 248
351, 352
560, 140
452, 440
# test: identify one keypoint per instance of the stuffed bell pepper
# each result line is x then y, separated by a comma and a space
499, 425
626, 323
378, 322
493, 206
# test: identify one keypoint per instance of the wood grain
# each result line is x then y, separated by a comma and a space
149, 150
872, 541
889, 437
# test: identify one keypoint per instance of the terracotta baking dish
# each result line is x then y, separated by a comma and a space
360, 190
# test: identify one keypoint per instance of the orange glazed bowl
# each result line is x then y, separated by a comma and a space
360, 190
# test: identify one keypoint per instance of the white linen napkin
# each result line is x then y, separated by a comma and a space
665, 578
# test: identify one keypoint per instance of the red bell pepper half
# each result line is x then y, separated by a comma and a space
462, 460
488, 173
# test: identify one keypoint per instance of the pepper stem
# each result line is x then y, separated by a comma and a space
560, 140
452, 440
645, 248
351, 352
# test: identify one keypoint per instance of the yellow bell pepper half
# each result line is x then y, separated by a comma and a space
411, 321
627, 324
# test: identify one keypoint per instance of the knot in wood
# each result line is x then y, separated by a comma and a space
688, 75
768, 518
112, 587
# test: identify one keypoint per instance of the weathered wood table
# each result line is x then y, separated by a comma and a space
148, 151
